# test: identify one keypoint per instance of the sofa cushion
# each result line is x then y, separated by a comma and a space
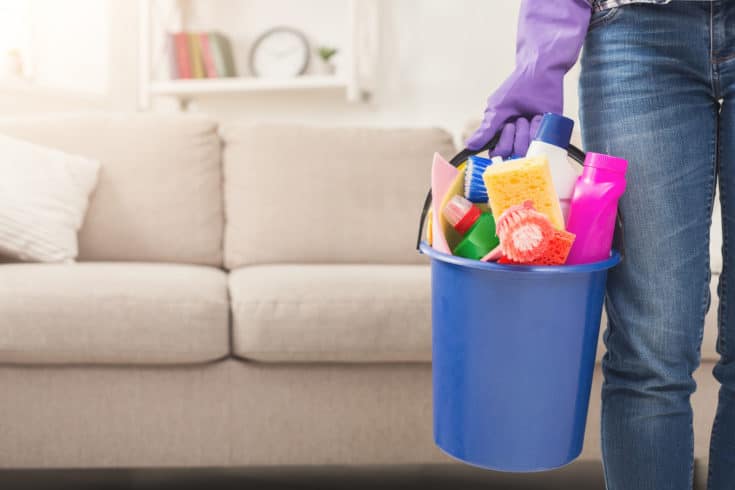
112, 313
337, 313
324, 195
159, 195
351, 313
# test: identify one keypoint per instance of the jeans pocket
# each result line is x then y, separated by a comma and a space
603, 17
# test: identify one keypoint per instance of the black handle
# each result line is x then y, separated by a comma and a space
574, 153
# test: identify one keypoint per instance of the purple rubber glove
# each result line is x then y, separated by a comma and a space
550, 36
515, 137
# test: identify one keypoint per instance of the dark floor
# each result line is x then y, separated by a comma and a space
580, 475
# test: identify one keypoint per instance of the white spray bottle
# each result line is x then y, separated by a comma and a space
552, 140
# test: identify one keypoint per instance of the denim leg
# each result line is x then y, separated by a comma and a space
722, 445
646, 95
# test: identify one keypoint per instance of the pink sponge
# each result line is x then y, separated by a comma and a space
556, 253
524, 233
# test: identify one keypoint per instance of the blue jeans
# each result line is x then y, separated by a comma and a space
657, 87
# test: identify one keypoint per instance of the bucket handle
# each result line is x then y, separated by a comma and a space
574, 153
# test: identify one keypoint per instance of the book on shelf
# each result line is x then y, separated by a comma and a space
195, 55
200, 55
173, 66
181, 51
222, 53
206, 49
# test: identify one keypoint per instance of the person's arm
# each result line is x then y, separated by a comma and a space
550, 37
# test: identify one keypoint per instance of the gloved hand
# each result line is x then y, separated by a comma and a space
550, 36
514, 137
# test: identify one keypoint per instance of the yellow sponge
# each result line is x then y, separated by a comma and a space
513, 182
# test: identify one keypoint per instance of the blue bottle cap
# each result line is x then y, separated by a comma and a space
555, 129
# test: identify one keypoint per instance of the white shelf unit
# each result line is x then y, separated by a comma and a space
191, 88
355, 79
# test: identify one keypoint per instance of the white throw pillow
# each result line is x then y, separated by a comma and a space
44, 194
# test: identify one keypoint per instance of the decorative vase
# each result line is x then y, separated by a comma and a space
325, 67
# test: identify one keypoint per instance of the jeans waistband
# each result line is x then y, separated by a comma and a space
598, 5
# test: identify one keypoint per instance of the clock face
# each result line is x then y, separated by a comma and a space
280, 53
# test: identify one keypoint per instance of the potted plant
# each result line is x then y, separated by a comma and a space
326, 64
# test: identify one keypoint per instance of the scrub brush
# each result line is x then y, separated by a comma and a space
524, 233
474, 185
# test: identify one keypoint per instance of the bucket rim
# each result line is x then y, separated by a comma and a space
602, 265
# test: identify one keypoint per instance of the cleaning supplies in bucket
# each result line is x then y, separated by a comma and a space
556, 253
594, 207
552, 140
524, 190
527, 238
443, 174
474, 186
515, 181
524, 233
510, 390
476, 228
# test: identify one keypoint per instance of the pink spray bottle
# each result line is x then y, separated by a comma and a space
593, 208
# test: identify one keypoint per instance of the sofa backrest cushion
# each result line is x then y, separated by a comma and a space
298, 194
159, 195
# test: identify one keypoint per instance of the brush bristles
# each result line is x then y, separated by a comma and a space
474, 185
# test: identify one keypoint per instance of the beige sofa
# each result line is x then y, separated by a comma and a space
244, 296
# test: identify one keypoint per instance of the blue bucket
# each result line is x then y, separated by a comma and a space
513, 356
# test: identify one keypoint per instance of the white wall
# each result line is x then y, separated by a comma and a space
439, 61
70, 45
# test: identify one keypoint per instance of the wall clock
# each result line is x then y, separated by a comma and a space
281, 52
